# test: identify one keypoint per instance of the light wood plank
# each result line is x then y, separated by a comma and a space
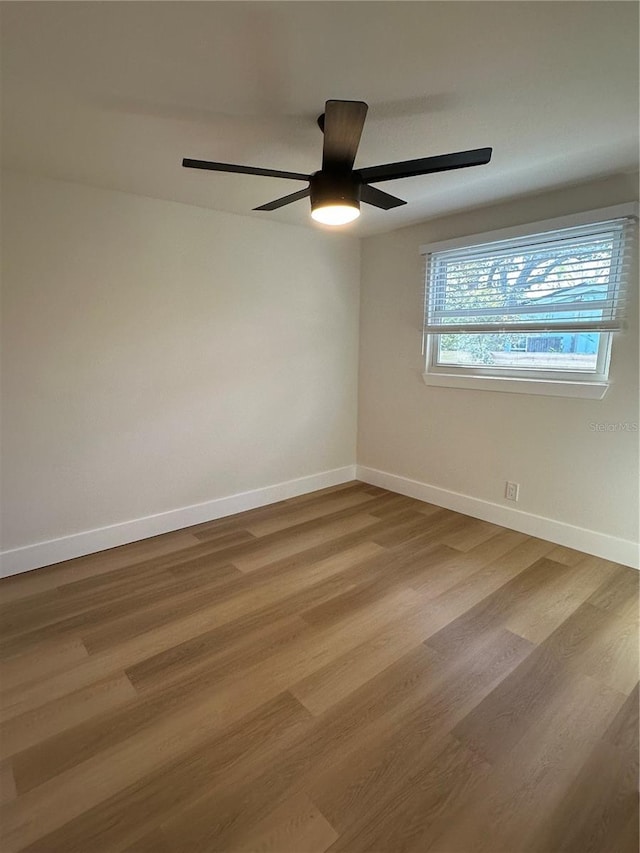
7, 783
263, 554
47, 721
41, 661
41, 580
295, 826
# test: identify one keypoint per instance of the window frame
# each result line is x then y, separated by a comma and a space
521, 380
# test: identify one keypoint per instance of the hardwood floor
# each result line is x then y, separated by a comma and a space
351, 670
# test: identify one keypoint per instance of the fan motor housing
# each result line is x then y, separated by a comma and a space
329, 188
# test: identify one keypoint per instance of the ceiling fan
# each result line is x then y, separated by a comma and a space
337, 189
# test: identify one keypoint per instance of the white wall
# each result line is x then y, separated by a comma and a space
158, 355
471, 442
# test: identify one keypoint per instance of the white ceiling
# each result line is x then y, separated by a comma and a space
115, 94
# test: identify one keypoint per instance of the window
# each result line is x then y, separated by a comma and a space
531, 309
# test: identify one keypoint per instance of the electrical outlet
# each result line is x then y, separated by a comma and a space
512, 490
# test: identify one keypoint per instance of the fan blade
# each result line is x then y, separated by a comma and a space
377, 198
426, 165
343, 123
243, 170
287, 199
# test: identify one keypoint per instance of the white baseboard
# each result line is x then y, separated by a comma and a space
623, 551
41, 554
89, 541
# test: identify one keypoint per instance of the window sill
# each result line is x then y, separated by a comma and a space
544, 387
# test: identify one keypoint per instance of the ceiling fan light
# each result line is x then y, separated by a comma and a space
335, 214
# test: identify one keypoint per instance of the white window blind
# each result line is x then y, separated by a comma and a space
571, 280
